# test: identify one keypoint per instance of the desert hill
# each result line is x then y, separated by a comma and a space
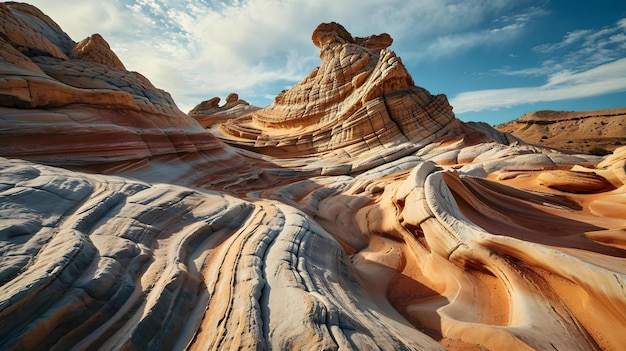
599, 131
356, 212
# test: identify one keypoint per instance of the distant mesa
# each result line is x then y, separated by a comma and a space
596, 132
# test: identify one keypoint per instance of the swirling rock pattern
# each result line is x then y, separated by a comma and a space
126, 225
74, 104
361, 98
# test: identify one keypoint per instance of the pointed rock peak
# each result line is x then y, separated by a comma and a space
327, 33
31, 32
232, 98
361, 97
96, 49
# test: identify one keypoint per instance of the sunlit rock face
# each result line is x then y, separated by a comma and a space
360, 98
67, 103
594, 132
124, 224
209, 113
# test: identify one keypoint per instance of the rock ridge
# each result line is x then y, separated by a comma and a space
599, 131
209, 112
360, 97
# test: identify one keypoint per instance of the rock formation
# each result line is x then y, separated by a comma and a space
596, 132
356, 212
209, 112
96, 49
360, 98
67, 103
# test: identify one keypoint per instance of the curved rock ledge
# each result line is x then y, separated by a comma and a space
354, 213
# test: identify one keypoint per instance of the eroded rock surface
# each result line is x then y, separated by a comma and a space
74, 104
354, 213
209, 113
360, 100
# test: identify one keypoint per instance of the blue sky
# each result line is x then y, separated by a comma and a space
494, 59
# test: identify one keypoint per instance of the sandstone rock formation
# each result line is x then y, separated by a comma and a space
353, 213
599, 131
360, 100
96, 49
209, 112
68, 103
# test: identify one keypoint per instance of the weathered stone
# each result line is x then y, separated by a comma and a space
96, 49
360, 97
573, 182
353, 213
209, 112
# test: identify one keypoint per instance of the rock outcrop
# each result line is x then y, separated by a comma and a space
361, 99
209, 113
74, 104
96, 49
356, 212
595, 132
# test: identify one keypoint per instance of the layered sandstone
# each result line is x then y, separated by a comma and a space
68, 103
360, 98
353, 213
209, 113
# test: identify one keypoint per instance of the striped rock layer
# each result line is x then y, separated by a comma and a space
354, 213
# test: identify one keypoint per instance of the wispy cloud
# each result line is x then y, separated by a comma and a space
470, 28
449, 44
569, 39
585, 63
204, 48
607, 78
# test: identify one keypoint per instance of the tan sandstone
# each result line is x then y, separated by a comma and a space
354, 213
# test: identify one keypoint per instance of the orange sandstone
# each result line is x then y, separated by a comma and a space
355, 212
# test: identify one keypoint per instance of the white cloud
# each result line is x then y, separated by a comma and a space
203, 48
569, 39
79, 19
585, 63
447, 45
607, 78
579, 50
